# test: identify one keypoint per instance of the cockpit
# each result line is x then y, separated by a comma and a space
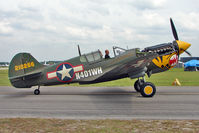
97, 56
92, 57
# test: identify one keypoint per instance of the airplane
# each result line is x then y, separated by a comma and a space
25, 71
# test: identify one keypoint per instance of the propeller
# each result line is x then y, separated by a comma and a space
175, 35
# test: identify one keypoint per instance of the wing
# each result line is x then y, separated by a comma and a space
136, 67
139, 67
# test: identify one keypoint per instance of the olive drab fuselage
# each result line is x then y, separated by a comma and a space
25, 71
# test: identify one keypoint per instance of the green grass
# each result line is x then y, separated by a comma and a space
186, 78
33, 125
160, 79
4, 78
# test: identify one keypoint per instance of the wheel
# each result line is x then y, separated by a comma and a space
148, 89
37, 92
138, 84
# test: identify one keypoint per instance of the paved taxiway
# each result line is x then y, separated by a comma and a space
100, 103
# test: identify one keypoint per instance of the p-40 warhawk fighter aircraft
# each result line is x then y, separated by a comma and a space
25, 71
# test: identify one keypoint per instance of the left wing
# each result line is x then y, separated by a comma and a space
138, 68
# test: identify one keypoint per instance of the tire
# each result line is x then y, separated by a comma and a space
37, 92
148, 89
137, 84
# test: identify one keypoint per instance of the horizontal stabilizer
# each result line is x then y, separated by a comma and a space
27, 76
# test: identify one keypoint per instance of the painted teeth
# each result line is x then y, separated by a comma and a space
173, 60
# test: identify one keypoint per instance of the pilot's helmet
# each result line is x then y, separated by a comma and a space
107, 51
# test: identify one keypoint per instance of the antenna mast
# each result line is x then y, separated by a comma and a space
79, 50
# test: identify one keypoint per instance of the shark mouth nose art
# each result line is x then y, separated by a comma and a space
173, 60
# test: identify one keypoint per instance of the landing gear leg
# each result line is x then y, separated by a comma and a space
138, 83
37, 91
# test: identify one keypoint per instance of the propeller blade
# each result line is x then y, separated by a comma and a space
187, 52
173, 29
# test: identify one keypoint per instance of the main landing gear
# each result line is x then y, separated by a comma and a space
37, 91
146, 89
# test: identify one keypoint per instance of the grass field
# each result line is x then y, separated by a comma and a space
160, 79
4, 78
19, 125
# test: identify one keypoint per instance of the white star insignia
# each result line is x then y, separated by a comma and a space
65, 72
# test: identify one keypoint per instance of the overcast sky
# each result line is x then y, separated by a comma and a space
51, 30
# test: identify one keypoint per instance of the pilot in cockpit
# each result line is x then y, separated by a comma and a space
107, 54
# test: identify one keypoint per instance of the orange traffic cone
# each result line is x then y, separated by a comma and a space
176, 82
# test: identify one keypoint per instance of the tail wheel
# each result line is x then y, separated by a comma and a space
137, 84
148, 89
37, 92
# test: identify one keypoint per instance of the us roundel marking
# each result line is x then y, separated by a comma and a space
65, 72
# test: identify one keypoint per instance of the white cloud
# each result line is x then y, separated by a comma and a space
76, 31
152, 18
94, 24
147, 4
158, 3
189, 21
5, 28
